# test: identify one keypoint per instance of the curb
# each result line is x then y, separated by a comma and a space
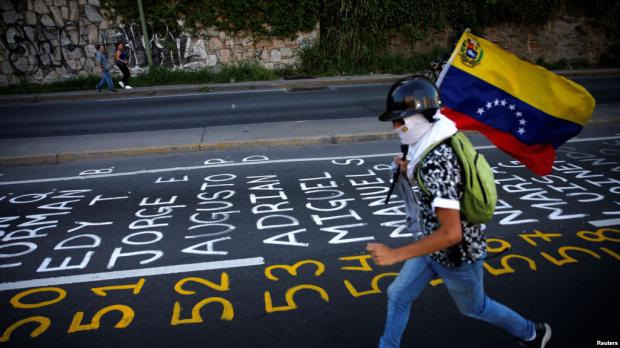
198, 88
188, 148
242, 86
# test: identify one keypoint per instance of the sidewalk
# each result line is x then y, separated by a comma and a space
62, 149
238, 86
197, 88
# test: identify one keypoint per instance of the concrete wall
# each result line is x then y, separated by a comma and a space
49, 40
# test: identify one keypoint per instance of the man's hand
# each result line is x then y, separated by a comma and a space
402, 164
383, 255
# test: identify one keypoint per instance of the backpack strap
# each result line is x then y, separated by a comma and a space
417, 171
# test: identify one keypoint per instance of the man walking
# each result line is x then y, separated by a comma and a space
451, 248
102, 61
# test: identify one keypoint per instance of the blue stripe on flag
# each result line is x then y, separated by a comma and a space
486, 103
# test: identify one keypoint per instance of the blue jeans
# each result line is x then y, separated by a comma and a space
106, 78
466, 288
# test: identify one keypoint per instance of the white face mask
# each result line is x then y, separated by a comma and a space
415, 127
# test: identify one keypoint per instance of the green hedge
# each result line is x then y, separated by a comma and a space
354, 33
361, 27
358, 25
279, 18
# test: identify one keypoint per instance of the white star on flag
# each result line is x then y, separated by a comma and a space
522, 122
480, 111
503, 102
518, 113
489, 105
496, 102
521, 131
511, 107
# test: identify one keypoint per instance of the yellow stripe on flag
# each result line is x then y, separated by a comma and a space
532, 84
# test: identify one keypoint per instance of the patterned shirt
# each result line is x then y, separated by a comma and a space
441, 174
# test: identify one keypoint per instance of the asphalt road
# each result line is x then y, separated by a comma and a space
265, 248
216, 109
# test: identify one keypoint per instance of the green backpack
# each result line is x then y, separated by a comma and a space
479, 192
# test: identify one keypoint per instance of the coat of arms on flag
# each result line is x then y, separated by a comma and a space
470, 53
522, 108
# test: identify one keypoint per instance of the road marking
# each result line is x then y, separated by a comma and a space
580, 140
371, 84
605, 223
143, 272
206, 166
150, 97
194, 94
240, 164
247, 91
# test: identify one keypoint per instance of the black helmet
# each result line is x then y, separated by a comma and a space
410, 95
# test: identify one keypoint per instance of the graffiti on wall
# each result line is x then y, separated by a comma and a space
43, 41
168, 48
37, 50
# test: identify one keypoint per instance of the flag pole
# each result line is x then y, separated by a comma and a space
449, 63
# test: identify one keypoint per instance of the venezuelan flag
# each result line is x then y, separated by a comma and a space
522, 108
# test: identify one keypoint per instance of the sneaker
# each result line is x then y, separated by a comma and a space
120, 83
128, 87
543, 335
98, 89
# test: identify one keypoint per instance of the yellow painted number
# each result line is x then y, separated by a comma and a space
228, 312
504, 261
599, 235
224, 284
44, 324
563, 251
506, 267
364, 266
16, 301
529, 237
135, 288
290, 293
612, 253
127, 315
503, 245
290, 302
292, 270
374, 285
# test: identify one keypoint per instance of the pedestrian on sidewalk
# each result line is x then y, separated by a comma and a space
121, 62
102, 61
451, 247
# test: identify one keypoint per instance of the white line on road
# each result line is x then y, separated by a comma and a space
605, 223
247, 91
194, 94
143, 272
240, 164
175, 169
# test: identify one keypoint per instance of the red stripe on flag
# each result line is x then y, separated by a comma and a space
538, 158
